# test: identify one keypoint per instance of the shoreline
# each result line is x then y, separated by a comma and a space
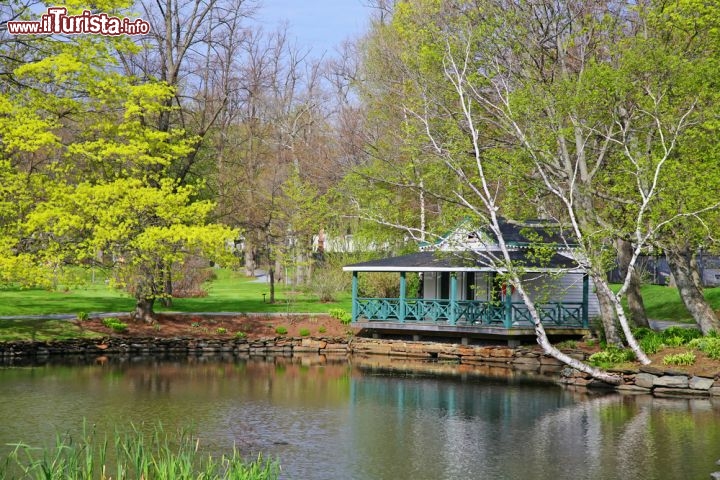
505, 361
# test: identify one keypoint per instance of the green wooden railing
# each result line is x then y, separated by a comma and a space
468, 312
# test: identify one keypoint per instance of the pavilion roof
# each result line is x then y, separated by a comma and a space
468, 261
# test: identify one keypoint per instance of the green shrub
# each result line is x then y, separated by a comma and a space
82, 316
709, 345
281, 330
240, 335
344, 317
328, 282
304, 332
115, 324
610, 357
674, 341
652, 343
189, 277
712, 348
643, 332
221, 331
387, 284
685, 358
120, 327
322, 329
678, 336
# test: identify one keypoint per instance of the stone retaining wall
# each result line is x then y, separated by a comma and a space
174, 346
646, 380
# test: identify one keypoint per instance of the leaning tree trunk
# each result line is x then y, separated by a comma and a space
548, 348
695, 269
679, 261
607, 316
603, 287
634, 297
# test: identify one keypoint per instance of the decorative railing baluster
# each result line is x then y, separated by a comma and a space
470, 312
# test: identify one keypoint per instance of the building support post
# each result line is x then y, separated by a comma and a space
403, 294
586, 300
508, 306
453, 299
355, 304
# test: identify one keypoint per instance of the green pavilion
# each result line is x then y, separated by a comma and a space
461, 292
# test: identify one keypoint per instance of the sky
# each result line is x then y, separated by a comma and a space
321, 25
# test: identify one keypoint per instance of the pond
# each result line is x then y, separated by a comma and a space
349, 420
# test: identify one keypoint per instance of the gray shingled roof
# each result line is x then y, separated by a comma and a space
459, 261
518, 234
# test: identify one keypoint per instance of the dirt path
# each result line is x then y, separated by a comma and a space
227, 325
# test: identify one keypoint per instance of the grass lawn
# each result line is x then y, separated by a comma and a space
230, 292
663, 303
234, 292
41, 330
90, 298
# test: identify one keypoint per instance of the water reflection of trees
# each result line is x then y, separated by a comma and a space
448, 428
254, 377
617, 436
375, 420
496, 428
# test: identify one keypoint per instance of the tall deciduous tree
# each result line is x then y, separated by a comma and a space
436, 91
274, 142
87, 172
588, 101
137, 228
635, 301
193, 47
690, 31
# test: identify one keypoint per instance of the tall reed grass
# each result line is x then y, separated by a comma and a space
134, 455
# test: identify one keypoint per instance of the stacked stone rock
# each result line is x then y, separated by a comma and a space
646, 380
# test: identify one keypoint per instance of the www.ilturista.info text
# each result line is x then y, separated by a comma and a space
57, 21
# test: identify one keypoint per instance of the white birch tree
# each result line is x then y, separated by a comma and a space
586, 103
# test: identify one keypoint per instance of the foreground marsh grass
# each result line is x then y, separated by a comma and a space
134, 455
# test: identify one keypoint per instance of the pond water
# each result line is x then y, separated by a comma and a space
347, 420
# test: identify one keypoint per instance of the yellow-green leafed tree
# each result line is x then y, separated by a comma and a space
136, 229
85, 172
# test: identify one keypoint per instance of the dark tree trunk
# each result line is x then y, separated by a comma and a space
144, 310
279, 272
608, 317
249, 260
166, 299
634, 297
680, 262
271, 274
